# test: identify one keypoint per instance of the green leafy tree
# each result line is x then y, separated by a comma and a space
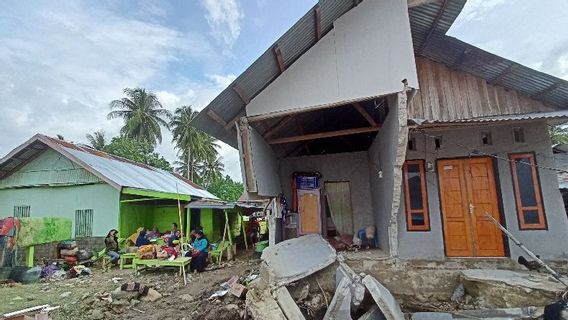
194, 146
558, 134
139, 151
97, 140
226, 188
143, 115
211, 169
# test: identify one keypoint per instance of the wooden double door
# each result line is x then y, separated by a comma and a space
467, 191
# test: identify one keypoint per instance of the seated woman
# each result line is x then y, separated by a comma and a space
175, 236
153, 234
199, 254
111, 244
142, 240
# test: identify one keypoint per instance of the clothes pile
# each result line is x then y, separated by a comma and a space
69, 252
152, 251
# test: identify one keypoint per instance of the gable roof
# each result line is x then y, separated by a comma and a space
116, 171
429, 22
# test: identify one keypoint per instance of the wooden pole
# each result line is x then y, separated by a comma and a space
244, 231
179, 215
525, 249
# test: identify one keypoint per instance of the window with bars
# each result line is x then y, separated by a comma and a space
22, 211
83, 223
415, 196
528, 196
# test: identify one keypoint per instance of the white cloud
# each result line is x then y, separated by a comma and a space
222, 81
224, 18
62, 63
477, 9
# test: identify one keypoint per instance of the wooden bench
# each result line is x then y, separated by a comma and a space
124, 260
180, 262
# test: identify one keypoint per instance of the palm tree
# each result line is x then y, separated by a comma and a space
211, 169
193, 146
97, 139
143, 115
187, 169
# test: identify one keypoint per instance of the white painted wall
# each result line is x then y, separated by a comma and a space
367, 54
265, 166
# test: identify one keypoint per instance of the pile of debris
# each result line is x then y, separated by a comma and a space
290, 285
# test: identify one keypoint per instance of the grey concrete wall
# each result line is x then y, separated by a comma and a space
381, 158
550, 244
265, 166
367, 54
352, 167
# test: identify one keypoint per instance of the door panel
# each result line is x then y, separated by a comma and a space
309, 211
488, 238
468, 190
454, 207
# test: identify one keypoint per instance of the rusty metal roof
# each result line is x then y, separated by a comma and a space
116, 171
429, 23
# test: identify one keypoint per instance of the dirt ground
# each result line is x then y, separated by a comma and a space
84, 297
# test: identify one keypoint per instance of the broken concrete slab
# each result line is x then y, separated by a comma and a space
356, 286
506, 289
373, 314
432, 316
384, 299
340, 306
263, 306
287, 304
294, 259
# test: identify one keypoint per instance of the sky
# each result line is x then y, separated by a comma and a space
62, 62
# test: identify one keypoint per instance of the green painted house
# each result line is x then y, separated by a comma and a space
48, 177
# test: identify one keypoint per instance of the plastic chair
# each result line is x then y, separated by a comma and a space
218, 252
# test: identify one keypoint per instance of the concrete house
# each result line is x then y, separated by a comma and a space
365, 113
47, 177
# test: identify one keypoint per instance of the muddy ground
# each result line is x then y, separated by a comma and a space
84, 297
417, 285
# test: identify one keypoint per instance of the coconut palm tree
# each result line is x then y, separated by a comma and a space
97, 139
143, 115
211, 169
193, 146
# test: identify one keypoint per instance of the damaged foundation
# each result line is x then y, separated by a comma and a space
326, 286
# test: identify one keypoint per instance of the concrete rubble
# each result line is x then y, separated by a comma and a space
292, 262
507, 289
493, 314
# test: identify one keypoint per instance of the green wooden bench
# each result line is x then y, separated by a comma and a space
180, 262
125, 258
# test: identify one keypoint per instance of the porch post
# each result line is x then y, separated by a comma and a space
402, 115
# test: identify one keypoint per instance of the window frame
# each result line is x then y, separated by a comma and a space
84, 212
409, 211
539, 208
21, 209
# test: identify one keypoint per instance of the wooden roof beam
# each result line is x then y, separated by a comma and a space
416, 3
241, 94
433, 27
317, 19
217, 118
546, 91
279, 59
365, 114
272, 130
503, 74
323, 135
231, 124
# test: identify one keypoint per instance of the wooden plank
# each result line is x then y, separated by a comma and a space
231, 124
272, 130
279, 59
317, 19
217, 118
241, 94
323, 135
416, 3
365, 114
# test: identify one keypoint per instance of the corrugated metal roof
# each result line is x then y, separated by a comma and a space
218, 204
297, 40
554, 116
118, 172
429, 24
